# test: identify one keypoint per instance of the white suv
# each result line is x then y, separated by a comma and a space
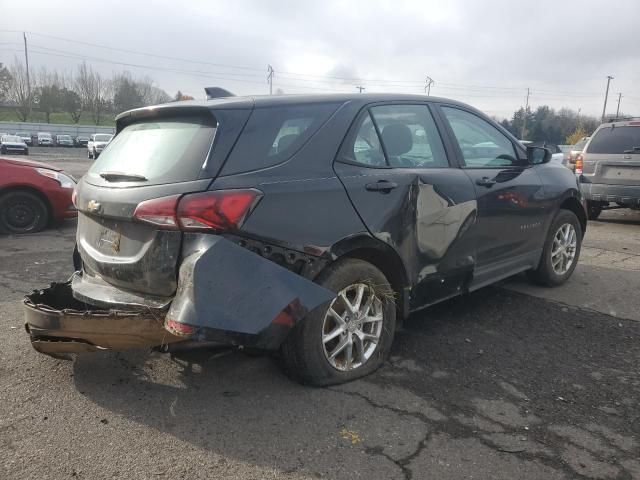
96, 144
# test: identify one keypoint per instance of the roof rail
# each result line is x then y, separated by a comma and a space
621, 119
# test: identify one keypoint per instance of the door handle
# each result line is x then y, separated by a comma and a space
486, 182
384, 186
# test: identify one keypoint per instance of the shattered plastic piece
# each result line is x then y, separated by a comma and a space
235, 295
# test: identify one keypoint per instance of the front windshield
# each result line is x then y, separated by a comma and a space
103, 138
64, 137
11, 138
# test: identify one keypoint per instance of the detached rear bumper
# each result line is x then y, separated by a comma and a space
59, 324
226, 294
601, 192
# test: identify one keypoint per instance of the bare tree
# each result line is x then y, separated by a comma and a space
151, 95
48, 93
19, 92
93, 90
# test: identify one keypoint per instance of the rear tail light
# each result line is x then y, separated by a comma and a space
579, 164
159, 211
219, 210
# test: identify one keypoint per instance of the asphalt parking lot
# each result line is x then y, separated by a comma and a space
511, 382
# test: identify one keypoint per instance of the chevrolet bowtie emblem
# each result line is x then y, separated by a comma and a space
94, 206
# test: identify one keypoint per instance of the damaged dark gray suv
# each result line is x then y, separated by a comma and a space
312, 225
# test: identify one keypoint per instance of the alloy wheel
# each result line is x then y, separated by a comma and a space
352, 327
563, 251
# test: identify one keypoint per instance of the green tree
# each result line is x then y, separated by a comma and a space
48, 99
126, 94
71, 103
5, 81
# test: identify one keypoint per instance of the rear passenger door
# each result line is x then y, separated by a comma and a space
511, 204
396, 171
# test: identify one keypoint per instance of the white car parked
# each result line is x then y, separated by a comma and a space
96, 144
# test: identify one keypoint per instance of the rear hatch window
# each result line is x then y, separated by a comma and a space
616, 140
166, 150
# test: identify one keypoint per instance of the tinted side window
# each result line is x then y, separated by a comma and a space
409, 136
273, 134
482, 144
615, 140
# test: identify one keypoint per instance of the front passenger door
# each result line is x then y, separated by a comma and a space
511, 208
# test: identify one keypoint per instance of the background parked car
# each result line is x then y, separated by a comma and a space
575, 151
45, 139
81, 141
13, 144
64, 141
557, 156
26, 137
608, 168
97, 143
32, 194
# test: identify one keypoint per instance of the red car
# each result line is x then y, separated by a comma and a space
32, 194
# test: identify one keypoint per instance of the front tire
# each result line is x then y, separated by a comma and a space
22, 212
561, 251
351, 336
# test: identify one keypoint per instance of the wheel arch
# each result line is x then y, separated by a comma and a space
572, 204
382, 256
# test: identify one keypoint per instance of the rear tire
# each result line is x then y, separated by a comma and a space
22, 212
307, 351
559, 256
594, 209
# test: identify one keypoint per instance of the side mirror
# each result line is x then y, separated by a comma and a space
538, 155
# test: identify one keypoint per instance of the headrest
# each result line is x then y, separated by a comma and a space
397, 139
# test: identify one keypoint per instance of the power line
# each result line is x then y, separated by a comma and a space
400, 83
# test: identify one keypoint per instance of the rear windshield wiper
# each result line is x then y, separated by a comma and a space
122, 177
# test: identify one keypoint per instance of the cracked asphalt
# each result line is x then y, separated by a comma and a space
510, 382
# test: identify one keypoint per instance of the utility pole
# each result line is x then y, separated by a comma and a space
270, 78
606, 96
427, 88
360, 88
524, 118
618, 109
26, 60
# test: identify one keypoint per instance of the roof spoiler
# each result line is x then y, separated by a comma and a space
217, 92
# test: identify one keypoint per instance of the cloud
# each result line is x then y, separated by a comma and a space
483, 52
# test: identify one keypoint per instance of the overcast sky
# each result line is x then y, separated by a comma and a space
483, 52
